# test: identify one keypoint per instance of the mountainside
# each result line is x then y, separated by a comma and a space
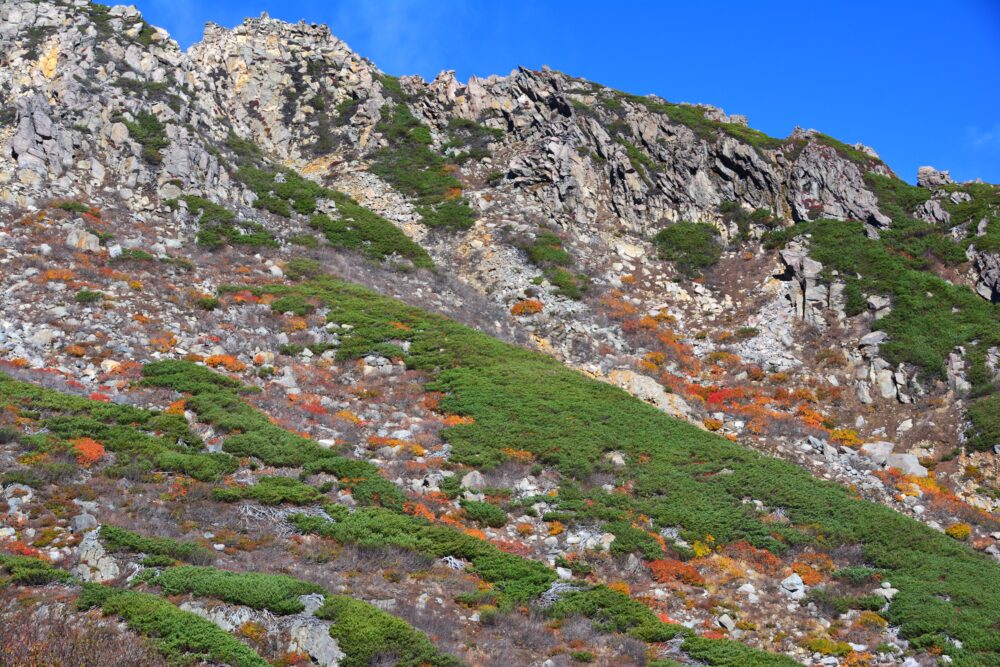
302, 363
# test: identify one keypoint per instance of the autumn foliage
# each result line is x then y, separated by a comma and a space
667, 570
526, 307
88, 451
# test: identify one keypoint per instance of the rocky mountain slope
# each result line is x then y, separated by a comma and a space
302, 363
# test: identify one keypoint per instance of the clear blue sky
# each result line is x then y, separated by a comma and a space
919, 81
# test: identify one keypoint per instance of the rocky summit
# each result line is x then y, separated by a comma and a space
306, 364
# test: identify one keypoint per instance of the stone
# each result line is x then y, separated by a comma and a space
80, 239
95, 564
474, 480
908, 464
793, 587
877, 451
726, 621
929, 177
82, 522
313, 637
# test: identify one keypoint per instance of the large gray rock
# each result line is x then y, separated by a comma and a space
95, 564
929, 177
908, 464
313, 637
877, 451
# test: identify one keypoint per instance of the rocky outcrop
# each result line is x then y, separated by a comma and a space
929, 177
810, 296
987, 266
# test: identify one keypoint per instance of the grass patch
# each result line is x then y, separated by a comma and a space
151, 135
692, 247
181, 636
358, 228
412, 167
276, 593
117, 539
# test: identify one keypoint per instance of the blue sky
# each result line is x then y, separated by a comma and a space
919, 81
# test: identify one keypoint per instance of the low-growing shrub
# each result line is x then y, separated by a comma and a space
486, 514
691, 246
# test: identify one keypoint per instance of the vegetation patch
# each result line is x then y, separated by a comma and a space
691, 246
141, 440
151, 135
271, 491
358, 228
117, 539
366, 634
930, 317
180, 636
31, 571
569, 422
410, 164
276, 593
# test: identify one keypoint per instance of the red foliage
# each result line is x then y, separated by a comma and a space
761, 560
666, 570
88, 451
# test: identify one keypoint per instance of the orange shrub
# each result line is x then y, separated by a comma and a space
620, 587
712, 424
667, 570
810, 577
88, 451
761, 560
556, 527
347, 415
526, 307
229, 362
456, 420
525, 529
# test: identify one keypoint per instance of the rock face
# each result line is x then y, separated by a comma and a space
929, 177
95, 563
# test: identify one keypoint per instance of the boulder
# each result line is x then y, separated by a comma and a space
908, 464
81, 239
929, 177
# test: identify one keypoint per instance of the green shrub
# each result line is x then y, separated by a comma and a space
292, 304
120, 539
86, 296
122, 429
546, 250
691, 246
272, 491
31, 571
207, 303
360, 229
629, 539
983, 433
73, 207
148, 131
276, 593
180, 635
486, 514
409, 164
366, 634
568, 422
